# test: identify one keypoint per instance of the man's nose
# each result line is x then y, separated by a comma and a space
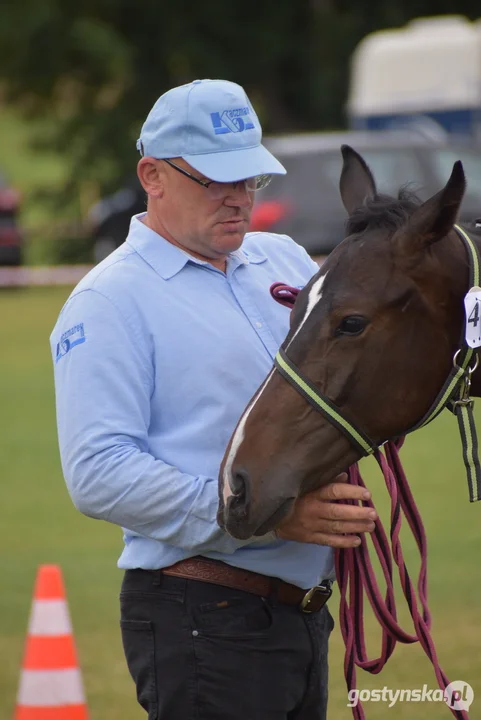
239, 195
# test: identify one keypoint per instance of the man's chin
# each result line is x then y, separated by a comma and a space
232, 240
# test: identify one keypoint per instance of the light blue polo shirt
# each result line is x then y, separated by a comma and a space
156, 355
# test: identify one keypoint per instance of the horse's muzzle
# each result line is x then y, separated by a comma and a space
244, 516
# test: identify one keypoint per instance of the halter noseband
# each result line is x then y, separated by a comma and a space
454, 394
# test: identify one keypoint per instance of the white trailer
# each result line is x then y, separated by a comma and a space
426, 74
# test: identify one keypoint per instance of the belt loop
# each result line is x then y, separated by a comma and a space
273, 596
157, 578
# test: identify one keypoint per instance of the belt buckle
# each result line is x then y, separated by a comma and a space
315, 598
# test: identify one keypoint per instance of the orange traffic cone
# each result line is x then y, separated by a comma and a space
51, 684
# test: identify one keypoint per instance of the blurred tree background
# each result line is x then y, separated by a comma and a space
84, 73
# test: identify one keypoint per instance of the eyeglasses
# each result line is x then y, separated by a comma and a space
218, 190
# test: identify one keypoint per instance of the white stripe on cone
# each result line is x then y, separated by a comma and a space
51, 688
49, 617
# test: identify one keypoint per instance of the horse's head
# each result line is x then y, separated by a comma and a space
375, 330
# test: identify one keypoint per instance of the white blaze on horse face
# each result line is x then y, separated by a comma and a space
315, 294
237, 441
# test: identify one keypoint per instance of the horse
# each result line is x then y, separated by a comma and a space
382, 338
372, 335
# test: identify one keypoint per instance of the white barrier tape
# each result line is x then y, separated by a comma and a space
42, 276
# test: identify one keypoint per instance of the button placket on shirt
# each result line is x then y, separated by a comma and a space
251, 311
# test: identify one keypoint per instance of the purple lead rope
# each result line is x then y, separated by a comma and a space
356, 577
284, 294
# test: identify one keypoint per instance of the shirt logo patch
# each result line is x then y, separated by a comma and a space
235, 121
69, 339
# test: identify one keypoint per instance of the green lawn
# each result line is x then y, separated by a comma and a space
38, 524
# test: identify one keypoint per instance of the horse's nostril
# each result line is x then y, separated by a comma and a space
240, 487
239, 481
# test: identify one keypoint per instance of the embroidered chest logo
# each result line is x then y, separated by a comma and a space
69, 339
236, 120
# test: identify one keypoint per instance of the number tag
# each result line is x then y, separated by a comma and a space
472, 304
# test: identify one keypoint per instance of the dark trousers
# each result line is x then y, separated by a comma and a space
199, 651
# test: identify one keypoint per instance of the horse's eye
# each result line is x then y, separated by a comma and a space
351, 325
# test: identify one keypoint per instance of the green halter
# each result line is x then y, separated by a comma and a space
454, 394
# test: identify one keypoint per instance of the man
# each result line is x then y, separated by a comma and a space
157, 352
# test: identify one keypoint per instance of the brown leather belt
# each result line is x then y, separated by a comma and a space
219, 573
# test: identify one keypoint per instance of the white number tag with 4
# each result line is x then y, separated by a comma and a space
472, 304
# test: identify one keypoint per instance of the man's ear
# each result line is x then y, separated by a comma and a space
151, 176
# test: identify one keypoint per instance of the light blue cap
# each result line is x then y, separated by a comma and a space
212, 125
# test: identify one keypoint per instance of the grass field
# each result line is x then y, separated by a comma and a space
38, 524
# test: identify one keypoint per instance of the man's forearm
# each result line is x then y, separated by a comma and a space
133, 489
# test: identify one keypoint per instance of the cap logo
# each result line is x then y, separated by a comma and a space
236, 120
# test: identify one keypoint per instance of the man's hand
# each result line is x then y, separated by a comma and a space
316, 519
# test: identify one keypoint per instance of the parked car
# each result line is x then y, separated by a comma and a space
109, 219
11, 238
306, 203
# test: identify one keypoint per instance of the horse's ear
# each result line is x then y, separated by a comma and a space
435, 218
357, 183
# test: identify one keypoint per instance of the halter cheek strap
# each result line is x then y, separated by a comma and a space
454, 394
322, 404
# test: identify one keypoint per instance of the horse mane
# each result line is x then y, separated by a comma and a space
383, 211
